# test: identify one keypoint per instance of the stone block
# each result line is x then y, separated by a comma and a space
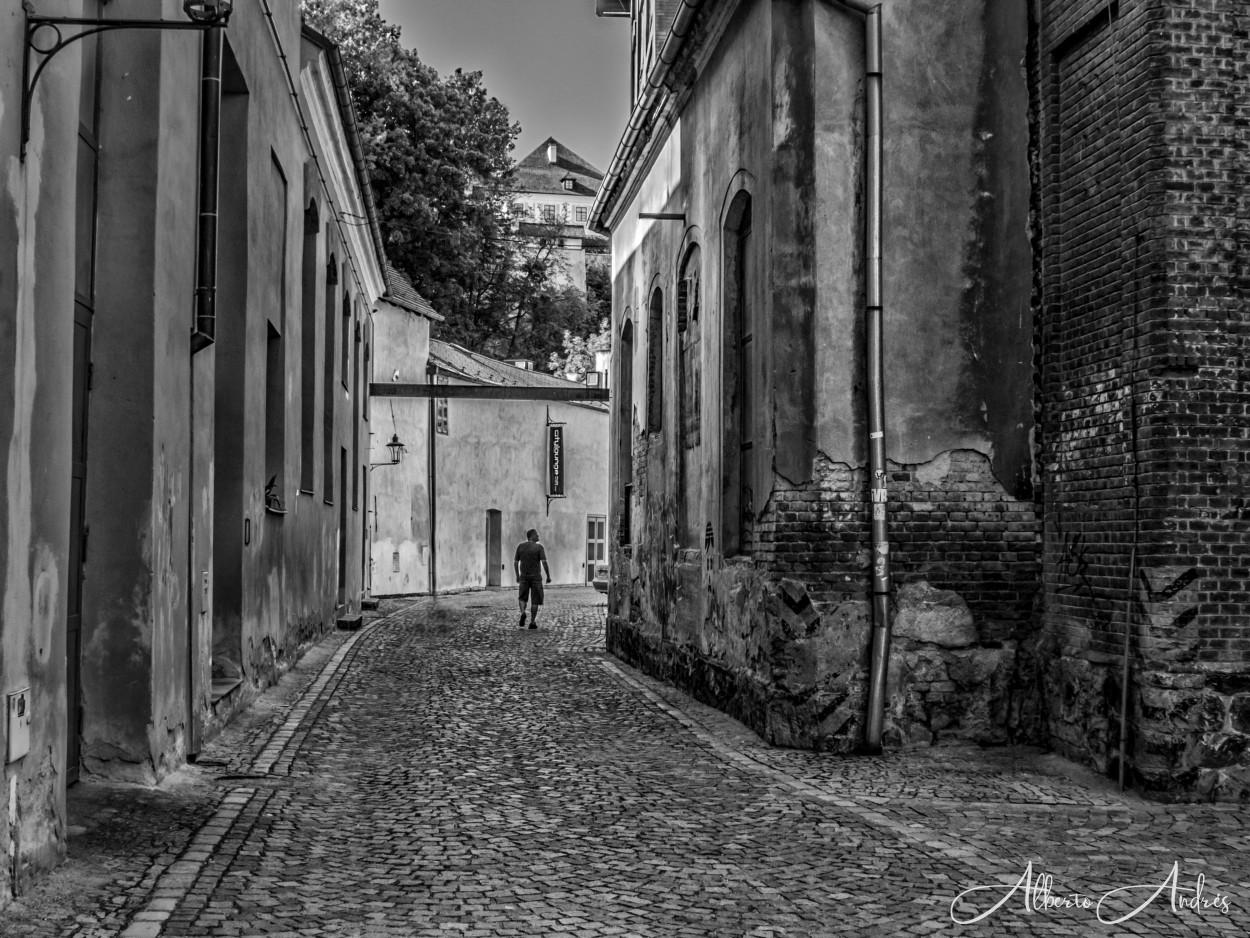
937, 617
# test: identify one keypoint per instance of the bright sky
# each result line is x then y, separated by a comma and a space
560, 70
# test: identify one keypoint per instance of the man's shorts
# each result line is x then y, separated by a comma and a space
530, 589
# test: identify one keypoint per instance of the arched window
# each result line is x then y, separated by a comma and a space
655, 362
689, 396
625, 428
737, 388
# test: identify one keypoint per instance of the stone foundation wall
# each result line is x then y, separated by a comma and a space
780, 637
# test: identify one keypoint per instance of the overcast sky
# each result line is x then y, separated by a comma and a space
560, 70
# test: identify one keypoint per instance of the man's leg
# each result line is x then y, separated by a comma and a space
522, 595
536, 600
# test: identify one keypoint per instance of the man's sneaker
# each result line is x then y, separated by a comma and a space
522, 623
533, 624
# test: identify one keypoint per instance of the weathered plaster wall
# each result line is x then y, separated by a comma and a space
495, 457
135, 616
400, 494
778, 635
36, 364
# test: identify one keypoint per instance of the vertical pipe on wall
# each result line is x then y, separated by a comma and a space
203, 331
432, 378
876, 392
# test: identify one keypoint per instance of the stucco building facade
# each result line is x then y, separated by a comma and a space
1043, 495
477, 472
183, 485
552, 193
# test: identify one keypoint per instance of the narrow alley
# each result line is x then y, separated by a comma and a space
442, 772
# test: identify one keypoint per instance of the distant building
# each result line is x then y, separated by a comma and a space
554, 191
476, 474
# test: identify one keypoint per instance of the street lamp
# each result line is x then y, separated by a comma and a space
44, 37
397, 451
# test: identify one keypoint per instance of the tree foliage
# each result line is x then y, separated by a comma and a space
577, 352
438, 156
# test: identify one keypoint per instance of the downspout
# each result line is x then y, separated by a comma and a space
431, 376
204, 331
879, 666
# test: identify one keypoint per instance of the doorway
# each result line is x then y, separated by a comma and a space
494, 548
596, 543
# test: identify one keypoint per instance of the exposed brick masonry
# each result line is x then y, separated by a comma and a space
951, 523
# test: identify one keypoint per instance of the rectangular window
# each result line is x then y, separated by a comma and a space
580, 213
308, 347
344, 372
442, 420
355, 425
549, 214
275, 420
279, 249
327, 384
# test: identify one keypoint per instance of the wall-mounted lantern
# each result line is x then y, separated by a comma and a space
397, 451
45, 38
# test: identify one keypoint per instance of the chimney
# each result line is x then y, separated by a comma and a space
551, 153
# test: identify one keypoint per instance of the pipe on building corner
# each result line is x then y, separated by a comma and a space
431, 377
630, 140
878, 469
204, 330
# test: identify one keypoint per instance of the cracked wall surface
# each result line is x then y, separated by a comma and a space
766, 614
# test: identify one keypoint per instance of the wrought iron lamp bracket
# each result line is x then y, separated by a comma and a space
44, 38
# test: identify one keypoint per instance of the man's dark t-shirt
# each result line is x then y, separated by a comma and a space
531, 556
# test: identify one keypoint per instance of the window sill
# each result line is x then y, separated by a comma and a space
307, 492
274, 511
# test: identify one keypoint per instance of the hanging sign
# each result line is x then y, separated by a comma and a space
555, 461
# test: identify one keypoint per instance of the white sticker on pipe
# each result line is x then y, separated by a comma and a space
878, 511
876, 434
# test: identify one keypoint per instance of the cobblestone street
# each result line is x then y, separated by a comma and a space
442, 772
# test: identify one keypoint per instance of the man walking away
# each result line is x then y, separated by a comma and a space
529, 556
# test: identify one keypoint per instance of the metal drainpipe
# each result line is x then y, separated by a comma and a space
204, 331
879, 667
432, 378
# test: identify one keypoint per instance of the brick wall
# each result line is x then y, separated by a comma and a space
951, 523
1143, 166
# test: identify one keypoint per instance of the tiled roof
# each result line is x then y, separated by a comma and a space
535, 174
400, 292
480, 368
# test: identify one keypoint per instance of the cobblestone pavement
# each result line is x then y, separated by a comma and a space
445, 773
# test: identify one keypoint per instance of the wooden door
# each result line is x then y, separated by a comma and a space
494, 548
596, 543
